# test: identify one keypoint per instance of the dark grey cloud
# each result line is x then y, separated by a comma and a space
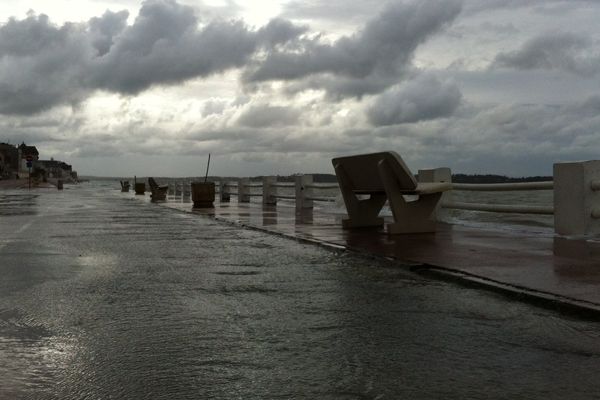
43, 65
367, 62
103, 30
424, 98
561, 51
165, 45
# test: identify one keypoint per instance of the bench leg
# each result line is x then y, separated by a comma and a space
361, 213
415, 216
409, 217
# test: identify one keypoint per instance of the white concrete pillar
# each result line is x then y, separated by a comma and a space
269, 190
244, 190
302, 192
224, 192
442, 174
435, 175
577, 198
186, 189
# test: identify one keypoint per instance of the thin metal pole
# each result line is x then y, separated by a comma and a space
207, 165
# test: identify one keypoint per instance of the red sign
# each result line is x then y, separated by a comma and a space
29, 158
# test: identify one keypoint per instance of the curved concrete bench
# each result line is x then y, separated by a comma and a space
384, 176
159, 192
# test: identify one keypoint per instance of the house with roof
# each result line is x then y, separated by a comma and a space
55, 169
9, 161
25, 152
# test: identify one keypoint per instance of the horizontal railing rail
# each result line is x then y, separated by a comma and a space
502, 187
323, 186
499, 208
284, 184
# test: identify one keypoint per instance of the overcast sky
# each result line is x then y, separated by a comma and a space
123, 87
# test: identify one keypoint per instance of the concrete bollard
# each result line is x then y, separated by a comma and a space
224, 195
303, 192
577, 198
203, 194
244, 190
442, 174
269, 190
140, 188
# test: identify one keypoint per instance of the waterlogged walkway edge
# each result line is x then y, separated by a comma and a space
552, 272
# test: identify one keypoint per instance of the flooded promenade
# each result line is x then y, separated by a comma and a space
104, 296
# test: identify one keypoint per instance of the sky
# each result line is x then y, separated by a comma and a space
277, 87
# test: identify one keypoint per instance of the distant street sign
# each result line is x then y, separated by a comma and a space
29, 158
29, 163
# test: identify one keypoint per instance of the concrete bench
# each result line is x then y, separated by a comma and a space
159, 192
384, 176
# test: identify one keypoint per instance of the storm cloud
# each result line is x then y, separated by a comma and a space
367, 62
423, 98
43, 65
561, 51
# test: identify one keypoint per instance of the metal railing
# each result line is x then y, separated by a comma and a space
501, 187
577, 196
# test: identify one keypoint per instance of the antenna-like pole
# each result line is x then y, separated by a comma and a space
207, 166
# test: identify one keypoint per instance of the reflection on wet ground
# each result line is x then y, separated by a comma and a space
18, 203
107, 297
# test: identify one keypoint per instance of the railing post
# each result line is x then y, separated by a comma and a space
244, 190
269, 190
576, 198
442, 174
302, 192
223, 192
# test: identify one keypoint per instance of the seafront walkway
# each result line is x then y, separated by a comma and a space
105, 295
549, 270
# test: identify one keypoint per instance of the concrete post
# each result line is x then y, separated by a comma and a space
244, 190
269, 191
302, 192
224, 195
442, 174
576, 198
186, 189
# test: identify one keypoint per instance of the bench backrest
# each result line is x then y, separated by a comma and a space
152, 183
363, 173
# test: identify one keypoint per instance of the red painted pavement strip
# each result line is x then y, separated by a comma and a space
557, 266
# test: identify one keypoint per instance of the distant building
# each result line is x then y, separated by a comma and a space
54, 168
9, 160
24, 152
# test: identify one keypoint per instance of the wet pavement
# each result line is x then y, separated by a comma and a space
552, 271
106, 296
